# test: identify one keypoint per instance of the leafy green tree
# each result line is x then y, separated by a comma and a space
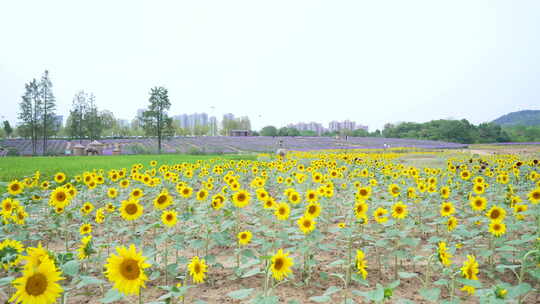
269, 131
48, 108
155, 120
8, 130
308, 133
76, 124
30, 113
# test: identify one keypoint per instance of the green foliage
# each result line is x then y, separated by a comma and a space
269, 131
523, 133
524, 118
460, 131
155, 120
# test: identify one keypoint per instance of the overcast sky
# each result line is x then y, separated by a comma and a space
280, 61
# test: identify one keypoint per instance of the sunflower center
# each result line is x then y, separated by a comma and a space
446, 208
495, 214
197, 268
36, 284
15, 187
312, 209
363, 192
536, 195
60, 196
478, 203
399, 209
169, 217
130, 269
131, 209
282, 211
241, 197
278, 264
243, 236
307, 223
161, 199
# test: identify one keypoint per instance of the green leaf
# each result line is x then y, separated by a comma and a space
111, 296
88, 280
240, 294
7, 280
71, 268
430, 294
473, 283
407, 275
331, 290
519, 290
320, 299
376, 295
394, 284
251, 273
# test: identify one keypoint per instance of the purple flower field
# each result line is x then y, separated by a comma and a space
228, 144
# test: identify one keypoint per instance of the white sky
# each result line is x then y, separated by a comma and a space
280, 61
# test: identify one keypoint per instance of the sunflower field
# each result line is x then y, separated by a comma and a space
312, 227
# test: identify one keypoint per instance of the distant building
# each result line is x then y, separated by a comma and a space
240, 133
310, 126
337, 126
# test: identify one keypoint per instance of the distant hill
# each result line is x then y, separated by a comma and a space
524, 118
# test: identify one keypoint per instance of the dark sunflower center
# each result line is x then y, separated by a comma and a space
169, 217
15, 187
241, 197
312, 209
36, 284
278, 264
446, 208
197, 268
161, 199
307, 223
136, 193
130, 269
536, 195
495, 214
243, 236
131, 209
7, 207
282, 211
294, 197
395, 190
399, 209
478, 203
311, 196
496, 227
60, 196
363, 192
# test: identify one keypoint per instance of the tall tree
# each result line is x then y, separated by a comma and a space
92, 119
155, 120
77, 115
7, 128
48, 108
30, 113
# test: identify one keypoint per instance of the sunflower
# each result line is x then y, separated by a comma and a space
126, 270
269, 203
360, 209
136, 193
469, 271
445, 192
38, 284
497, 228
394, 190
313, 210
241, 198
169, 218
85, 248
447, 209
518, 209
131, 209
197, 269
281, 265
112, 192
244, 237
478, 203
341, 225
361, 263
306, 224
534, 196
465, 175
451, 224
15, 187
479, 188
110, 207
124, 183
202, 195
312, 196
100, 215
87, 208
60, 197
8, 205
59, 177
380, 215
218, 200
363, 193
163, 200
444, 256
10, 253
399, 210
282, 211
496, 214
85, 229
294, 197
186, 192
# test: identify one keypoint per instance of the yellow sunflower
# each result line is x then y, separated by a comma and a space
399, 210
444, 256
241, 198
136, 193
312, 196
361, 263
447, 209
15, 187
534, 196
126, 270
10, 253
60, 197
38, 284
281, 265
244, 237
497, 228
363, 193
85, 248
452, 223
478, 203
496, 214
380, 215
202, 194
169, 218
313, 210
306, 224
282, 211
59, 177
112, 192
131, 209
197, 269
469, 271
394, 190
85, 229
163, 200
